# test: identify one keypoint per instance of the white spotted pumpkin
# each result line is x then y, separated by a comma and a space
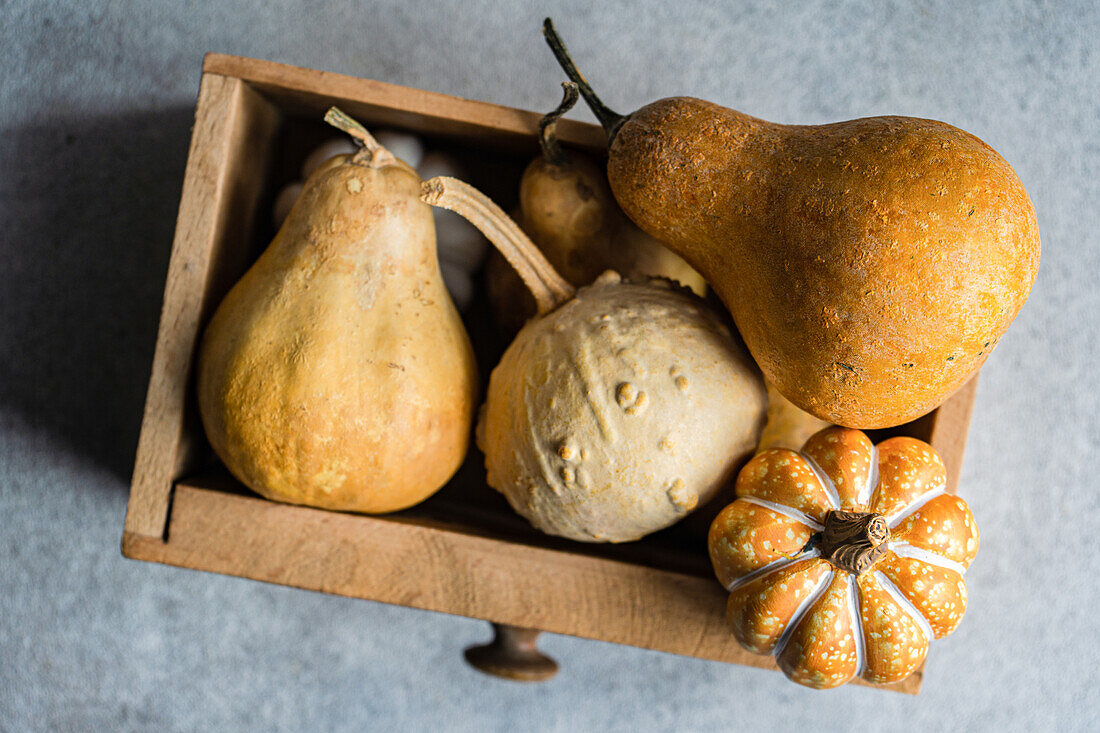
844, 560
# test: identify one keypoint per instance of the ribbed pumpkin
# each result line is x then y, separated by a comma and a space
844, 560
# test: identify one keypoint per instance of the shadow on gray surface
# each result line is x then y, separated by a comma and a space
88, 212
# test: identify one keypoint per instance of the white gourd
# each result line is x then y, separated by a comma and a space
459, 242
617, 410
407, 147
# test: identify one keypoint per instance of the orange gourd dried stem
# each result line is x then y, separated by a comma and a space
609, 119
549, 288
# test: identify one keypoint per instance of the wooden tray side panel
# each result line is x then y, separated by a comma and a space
950, 427
233, 130
408, 564
311, 92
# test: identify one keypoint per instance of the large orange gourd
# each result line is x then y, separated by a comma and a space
870, 265
846, 559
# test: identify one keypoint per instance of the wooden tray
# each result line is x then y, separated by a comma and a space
463, 551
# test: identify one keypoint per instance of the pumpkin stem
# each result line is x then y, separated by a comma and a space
549, 288
854, 541
551, 148
372, 154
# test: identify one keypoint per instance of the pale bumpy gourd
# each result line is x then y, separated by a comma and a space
620, 408
619, 412
337, 372
844, 560
870, 265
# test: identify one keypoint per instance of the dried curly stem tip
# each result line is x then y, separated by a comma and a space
372, 154
610, 119
551, 149
548, 287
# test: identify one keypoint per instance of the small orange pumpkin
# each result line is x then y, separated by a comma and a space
846, 559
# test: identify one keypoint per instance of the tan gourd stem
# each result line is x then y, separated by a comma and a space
549, 288
551, 148
372, 154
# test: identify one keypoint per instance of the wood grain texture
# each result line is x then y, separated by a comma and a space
233, 128
438, 567
310, 92
949, 429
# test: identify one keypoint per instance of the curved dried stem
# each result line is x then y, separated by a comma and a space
549, 288
372, 154
551, 148
610, 119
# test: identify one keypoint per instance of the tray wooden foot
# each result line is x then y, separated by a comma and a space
513, 654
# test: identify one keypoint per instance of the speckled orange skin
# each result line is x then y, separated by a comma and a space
761, 555
871, 265
337, 372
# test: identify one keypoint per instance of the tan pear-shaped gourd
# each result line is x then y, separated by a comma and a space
621, 407
567, 208
337, 372
871, 265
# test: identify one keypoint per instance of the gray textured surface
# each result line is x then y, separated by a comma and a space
95, 106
